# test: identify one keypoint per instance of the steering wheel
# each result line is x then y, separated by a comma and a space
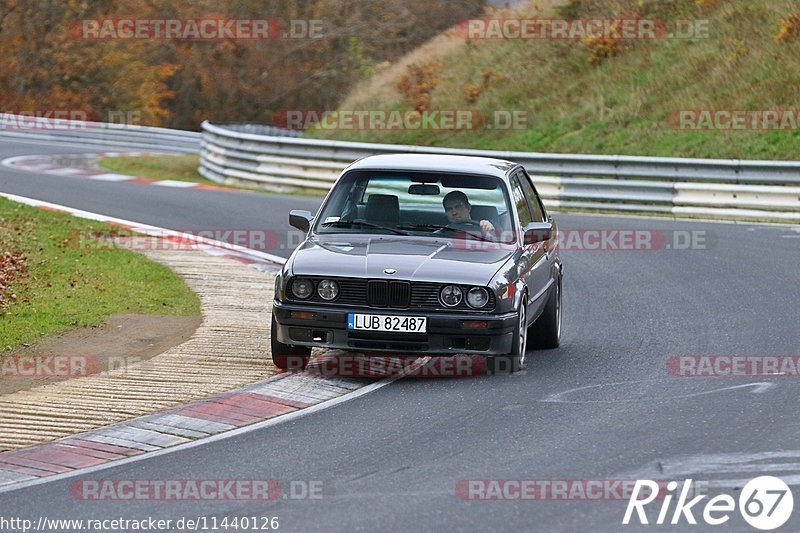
470, 227
465, 225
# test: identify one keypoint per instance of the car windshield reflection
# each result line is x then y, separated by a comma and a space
419, 204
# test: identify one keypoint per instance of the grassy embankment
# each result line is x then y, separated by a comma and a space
621, 101
49, 282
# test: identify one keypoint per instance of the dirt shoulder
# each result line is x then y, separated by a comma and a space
123, 340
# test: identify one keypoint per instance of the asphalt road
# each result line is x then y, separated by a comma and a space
392, 459
263, 225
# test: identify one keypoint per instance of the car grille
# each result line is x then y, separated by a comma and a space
388, 293
385, 294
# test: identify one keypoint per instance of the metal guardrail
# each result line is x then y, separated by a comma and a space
98, 133
274, 157
731, 189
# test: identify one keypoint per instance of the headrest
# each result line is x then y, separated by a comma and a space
382, 208
484, 212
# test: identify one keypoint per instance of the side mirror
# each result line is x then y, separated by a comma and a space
300, 219
538, 232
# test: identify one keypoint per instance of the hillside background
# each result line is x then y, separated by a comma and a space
605, 97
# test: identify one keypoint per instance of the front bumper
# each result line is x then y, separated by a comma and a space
446, 333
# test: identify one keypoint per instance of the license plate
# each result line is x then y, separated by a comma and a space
402, 324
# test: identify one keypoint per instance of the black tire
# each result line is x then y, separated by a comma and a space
287, 356
515, 361
545, 333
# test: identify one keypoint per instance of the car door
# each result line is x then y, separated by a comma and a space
534, 268
538, 254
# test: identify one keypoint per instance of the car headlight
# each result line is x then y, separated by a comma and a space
328, 289
477, 297
451, 295
302, 288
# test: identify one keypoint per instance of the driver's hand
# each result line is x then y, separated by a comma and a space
487, 226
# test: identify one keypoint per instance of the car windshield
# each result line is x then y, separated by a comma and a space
420, 204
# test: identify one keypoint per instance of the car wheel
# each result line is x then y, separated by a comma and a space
515, 361
545, 333
287, 356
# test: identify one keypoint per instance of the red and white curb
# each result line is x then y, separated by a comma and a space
252, 407
63, 165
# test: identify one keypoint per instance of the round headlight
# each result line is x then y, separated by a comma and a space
477, 297
328, 289
451, 295
302, 288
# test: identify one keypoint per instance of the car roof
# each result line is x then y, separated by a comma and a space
435, 163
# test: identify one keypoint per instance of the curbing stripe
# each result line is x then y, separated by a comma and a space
90, 452
247, 407
176, 184
19, 460
169, 430
188, 422
61, 456
9, 476
44, 164
123, 443
141, 436
99, 446
110, 177
17, 469
6, 487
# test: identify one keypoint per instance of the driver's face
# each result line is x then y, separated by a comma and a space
457, 212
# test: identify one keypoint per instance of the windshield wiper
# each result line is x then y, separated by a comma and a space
439, 227
423, 226
361, 224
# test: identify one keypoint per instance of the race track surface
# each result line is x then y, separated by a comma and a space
602, 407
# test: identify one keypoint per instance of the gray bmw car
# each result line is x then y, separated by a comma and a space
422, 254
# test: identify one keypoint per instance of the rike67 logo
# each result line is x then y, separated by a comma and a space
765, 503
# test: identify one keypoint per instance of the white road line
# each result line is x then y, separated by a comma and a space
66, 171
145, 228
176, 184
708, 467
758, 388
110, 177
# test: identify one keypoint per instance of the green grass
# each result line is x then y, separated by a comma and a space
67, 286
182, 168
622, 104
158, 167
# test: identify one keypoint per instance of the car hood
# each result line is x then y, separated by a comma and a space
414, 258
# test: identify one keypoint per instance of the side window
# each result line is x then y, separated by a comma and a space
521, 205
533, 198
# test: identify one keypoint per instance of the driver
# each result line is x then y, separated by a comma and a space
457, 208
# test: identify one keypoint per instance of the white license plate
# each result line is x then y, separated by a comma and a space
402, 324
